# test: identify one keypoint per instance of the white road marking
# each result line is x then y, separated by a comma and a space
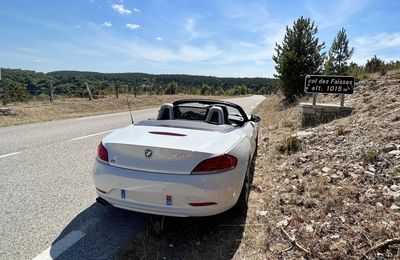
9, 154
60, 246
86, 136
100, 116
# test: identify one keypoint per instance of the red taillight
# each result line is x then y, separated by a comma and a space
102, 153
217, 164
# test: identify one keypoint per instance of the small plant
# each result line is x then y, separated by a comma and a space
383, 71
288, 123
370, 156
290, 145
340, 130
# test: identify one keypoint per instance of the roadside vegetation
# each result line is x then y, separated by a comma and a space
23, 85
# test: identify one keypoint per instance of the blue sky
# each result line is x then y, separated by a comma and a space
201, 37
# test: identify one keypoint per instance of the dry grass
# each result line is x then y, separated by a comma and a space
62, 108
290, 145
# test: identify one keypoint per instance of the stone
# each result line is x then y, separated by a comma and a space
303, 135
302, 160
262, 213
309, 229
6, 111
335, 237
389, 147
326, 170
395, 152
396, 196
370, 193
335, 176
283, 223
394, 187
395, 207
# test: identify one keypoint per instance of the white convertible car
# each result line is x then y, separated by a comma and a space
193, 160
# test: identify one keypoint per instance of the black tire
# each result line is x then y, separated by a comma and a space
241, 204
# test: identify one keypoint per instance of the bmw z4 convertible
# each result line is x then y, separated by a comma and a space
193, 160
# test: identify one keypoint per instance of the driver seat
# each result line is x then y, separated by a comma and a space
215, 116
166, 112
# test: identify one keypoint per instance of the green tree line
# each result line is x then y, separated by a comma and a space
23, 85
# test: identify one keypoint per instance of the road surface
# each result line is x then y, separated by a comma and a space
48, 207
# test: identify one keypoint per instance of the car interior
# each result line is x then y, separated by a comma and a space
217, 114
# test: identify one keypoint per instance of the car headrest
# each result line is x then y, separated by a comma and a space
166, 112
215, 116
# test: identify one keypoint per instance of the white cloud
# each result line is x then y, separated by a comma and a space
189, 27
334, 13
107, 24
385, 45
136, 10
379, 41
120, 9
159, 38
132, 26
77, 26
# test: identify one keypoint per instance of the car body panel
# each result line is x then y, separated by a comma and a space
169, 154
146, 191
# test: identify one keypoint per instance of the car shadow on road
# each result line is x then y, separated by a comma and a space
97, 233
215, 237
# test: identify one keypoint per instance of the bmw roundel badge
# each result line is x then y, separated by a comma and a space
148, 153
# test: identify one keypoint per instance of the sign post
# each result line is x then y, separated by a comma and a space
326, 84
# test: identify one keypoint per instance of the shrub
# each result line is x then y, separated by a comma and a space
290, 145
370, 156
374, 64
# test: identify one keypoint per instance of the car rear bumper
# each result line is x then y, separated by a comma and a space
168, 194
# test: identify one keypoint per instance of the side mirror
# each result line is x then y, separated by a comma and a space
255, 118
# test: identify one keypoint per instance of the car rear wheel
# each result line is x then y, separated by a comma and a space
241, 204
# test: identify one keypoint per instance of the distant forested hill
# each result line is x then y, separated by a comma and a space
24, 84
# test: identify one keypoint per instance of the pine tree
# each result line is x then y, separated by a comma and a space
339, 54
374, 64
298, 55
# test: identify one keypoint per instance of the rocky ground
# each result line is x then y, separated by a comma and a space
334, 188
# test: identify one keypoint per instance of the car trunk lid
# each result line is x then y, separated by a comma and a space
165, 149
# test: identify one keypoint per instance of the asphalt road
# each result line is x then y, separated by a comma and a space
47, 196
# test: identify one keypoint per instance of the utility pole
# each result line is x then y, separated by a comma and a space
51, 91
116, 90
5, 88
89, 92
